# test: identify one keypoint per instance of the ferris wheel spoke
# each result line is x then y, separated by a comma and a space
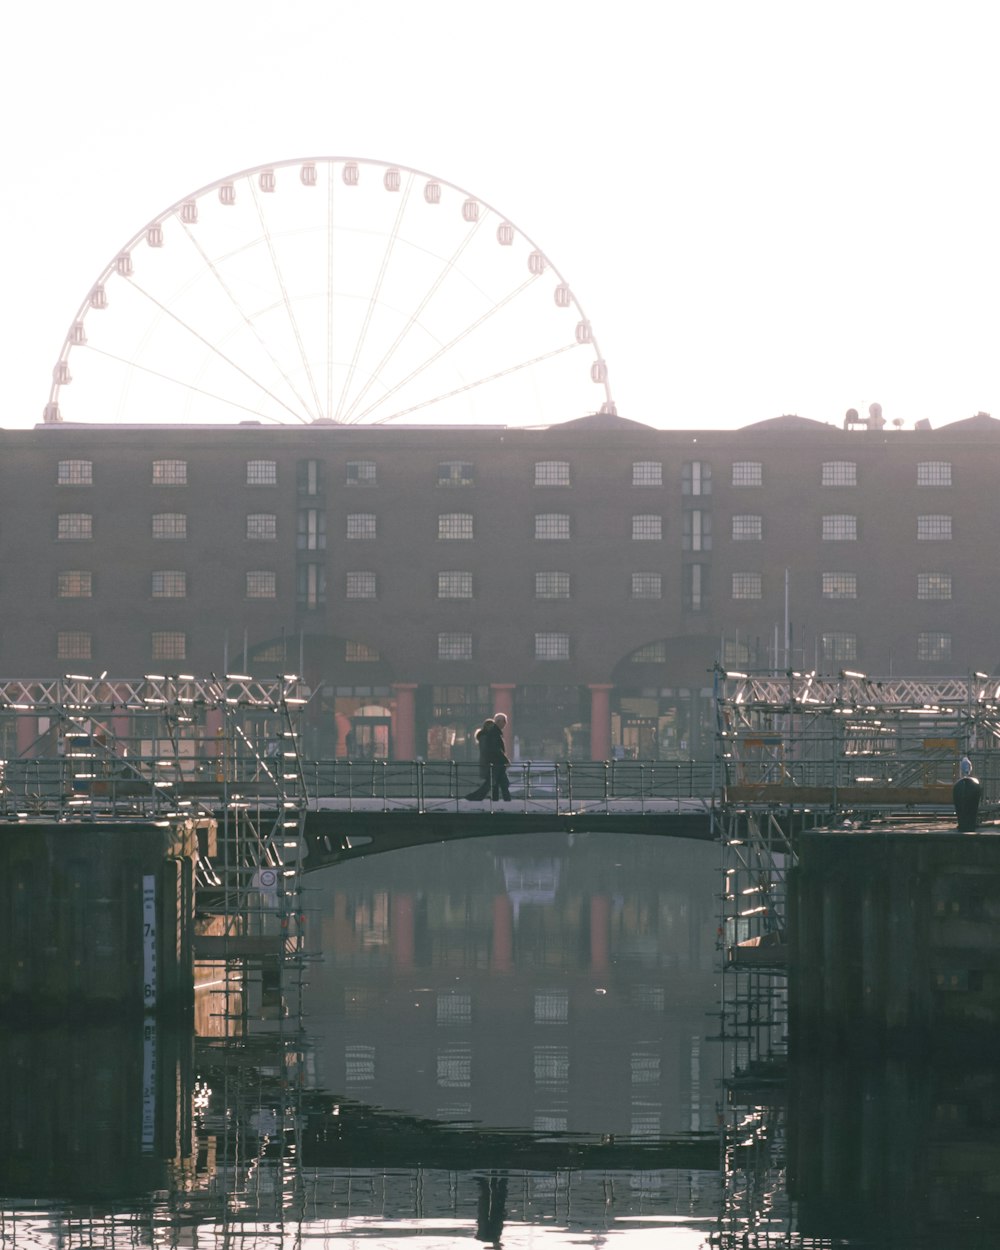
248, 321
329, 294
450, 345
219, 353
376, 290
289, 309
446, 270
471, 386
188, 386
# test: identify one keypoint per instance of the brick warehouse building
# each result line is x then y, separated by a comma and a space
584, 577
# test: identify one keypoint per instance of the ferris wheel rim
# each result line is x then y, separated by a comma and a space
110, 268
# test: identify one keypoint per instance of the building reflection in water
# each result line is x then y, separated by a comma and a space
503, 1041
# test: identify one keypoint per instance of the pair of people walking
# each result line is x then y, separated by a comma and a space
493, 761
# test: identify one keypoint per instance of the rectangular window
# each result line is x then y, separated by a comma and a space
169, 584
735, 654
168, 644
455, 525
696, 478
651, 653
75, 526
839, 473
262, 526
934, 646
647, 473
552, 646
309, 477
361, 525
694, 587
647, 585
551, 585
933, 585
933, 528
310, 586
311, 535
697, 530
169, 525
552, 473
361, 473
360, 653
73, 644
839, 648
361, 585
840, 585
75, 473
747, 528
262, 473
934, 473
553, 525
74, 584
748, 586
456, 473
748, 473
454, 646
262, 584
454, 585
647, 528
170, 472
840, 528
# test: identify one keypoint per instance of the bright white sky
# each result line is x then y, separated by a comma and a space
763, 208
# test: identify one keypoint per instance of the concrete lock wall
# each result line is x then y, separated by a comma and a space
95, 919
894, 940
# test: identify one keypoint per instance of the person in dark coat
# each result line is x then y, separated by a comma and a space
493, 760
965, 794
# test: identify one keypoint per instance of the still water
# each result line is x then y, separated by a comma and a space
501, 1042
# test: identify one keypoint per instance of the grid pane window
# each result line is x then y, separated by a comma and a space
651, 653
840, 585
360, 653
933, 528
696, 478
311, 530
262, 584
647, 528
262, 473
454, 585
934, 646
452, 646
647, 473
647, 585
840, 473
361, 473
839, 648
748, 586
310, 585
170, 472
934, 473
552, 646
747, 528
169, 584
748, 473
73, 644
169, 525
840, 528
933, 585
361, 525
455, 525
75, 473
169, 644
456, 473
551, 585
361, 584
74, 584
262, 526
697, 530
552, 525
552, 473
75, 526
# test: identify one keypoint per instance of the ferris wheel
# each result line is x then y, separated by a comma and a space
333, 290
